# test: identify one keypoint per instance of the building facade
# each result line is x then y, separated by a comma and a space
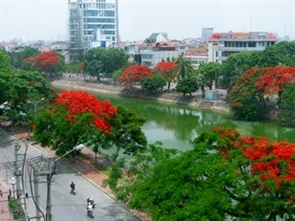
206, 33
221, 45
91, 23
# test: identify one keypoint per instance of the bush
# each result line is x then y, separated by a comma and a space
16, 210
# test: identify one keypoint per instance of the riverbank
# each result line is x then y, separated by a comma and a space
170, 97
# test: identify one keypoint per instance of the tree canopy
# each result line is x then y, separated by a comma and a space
75, 117
246, 97
48, 62
133, 75
100, 60
168, 70
225, 176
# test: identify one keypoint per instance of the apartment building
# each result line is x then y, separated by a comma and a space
152, 54
221, 45
91, 23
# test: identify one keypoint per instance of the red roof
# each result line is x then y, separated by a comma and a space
237, 35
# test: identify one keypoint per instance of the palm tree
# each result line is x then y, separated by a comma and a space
184, 67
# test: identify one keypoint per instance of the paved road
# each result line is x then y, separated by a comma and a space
65, 206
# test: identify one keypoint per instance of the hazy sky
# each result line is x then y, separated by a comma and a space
47, 19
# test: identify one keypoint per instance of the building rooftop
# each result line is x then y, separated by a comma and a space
242, 35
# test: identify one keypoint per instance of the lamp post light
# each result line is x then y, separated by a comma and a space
49, 176
12, 182
35, 103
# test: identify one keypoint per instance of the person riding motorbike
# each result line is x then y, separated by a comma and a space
89, 210
91, 201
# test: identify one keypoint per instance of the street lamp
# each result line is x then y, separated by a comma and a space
12, 182
35, 103
49, 176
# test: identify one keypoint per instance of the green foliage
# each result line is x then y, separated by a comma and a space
116, 75
245, 101
5, 66
138, 169
29, 84
17, 211
185, 68
72, 68
59, 133
100, 60
286, 115
209, 73
281, 53
236, 64
5, 78
126, 133
153, 84
187, 86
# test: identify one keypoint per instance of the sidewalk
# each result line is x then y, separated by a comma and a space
84, 165
5, 214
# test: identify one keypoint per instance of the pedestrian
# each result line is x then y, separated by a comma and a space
0, 193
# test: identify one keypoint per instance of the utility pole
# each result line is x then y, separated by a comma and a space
36, 195
17, 172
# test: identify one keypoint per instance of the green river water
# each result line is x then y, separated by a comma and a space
176, 125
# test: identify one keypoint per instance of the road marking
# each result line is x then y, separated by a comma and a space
73, 208
63, 198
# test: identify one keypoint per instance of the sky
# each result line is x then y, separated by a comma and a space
138, 19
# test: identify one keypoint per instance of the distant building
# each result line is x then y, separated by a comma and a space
221, 45
206, 33
152, 54
92, 23
156, 37
197, 56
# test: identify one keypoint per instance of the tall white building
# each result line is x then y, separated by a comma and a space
91, 22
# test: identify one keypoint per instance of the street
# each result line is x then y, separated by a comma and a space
64, 205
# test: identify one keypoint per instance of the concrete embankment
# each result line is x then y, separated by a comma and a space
170, 97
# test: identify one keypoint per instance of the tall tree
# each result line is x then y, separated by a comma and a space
167, 70
75, 117
185, 67
100, 60
6, 77
134, 74
153, 84
281, 53
187, 86
50, 63
208, 74
235, 65
93, 62
126, 134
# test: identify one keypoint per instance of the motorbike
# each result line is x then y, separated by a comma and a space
73, 191
90, 214
89, 211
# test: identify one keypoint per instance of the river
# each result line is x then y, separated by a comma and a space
176, 125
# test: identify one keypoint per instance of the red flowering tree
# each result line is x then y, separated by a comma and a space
246, 97
226, 176
167, 70
133, 75
48, 62
75, 117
